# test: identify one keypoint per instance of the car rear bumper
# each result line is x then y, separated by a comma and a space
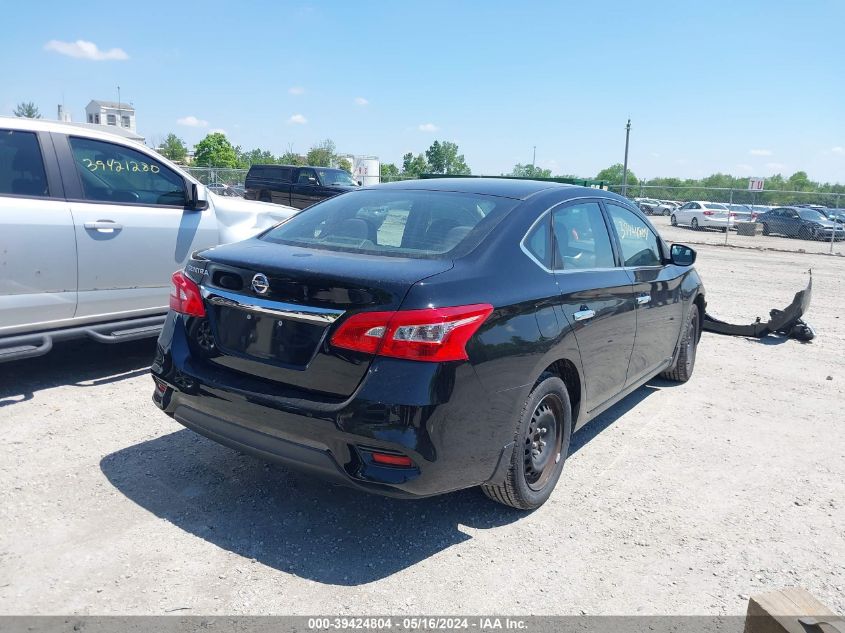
436, 414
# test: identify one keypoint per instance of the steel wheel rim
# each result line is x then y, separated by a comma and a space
543, 441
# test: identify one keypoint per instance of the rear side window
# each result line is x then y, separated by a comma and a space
581, 237
119, 174
21, 165
416, 224
538, 244
638, 242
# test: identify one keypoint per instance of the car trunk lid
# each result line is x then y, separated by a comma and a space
272, 309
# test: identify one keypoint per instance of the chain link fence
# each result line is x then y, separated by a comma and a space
814, 221
219, 175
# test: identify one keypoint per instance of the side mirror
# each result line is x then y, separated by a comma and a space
360, 182
192, 197
312, 180
682, 255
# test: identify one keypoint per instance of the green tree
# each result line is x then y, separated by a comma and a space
290, 157
174, 148
388, 172
799, 181
322, 154
344, 164
530, 171
256, 156
27, 110
443, 158
413, 166
215, 150
613, 175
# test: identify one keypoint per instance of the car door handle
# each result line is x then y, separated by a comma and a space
103, 226
643, 300
583, 315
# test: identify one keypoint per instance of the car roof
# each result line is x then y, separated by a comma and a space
503, 187
87, 130
77, 129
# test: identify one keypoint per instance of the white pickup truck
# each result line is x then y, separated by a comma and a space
92, 225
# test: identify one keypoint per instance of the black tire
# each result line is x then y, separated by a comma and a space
667, 212
804, 233
765, 229
694, 224
673, 220
685, 363
534, 469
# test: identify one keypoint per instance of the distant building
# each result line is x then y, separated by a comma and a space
120, 115
104, 115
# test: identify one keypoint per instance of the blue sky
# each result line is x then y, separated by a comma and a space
747, 87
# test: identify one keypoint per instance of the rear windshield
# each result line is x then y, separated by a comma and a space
417, 224
715, 205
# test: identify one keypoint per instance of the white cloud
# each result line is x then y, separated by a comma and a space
775, 166
837, 150
297, 119
296, 90
192, 121
760, 152
743, 168
427, 127
85, 50
219, 130
361, 101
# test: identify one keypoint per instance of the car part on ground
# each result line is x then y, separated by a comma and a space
786, 322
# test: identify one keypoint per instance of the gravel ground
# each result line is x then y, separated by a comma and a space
679, 500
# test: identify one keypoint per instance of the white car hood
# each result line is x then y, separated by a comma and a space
239, 219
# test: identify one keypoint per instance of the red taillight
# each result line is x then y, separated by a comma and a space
185, 297
707, 213
388, 459
435, 334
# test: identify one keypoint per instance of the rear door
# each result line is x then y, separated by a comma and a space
37, 245
657, 291
597, 297
132, 228
279, 184
306, 190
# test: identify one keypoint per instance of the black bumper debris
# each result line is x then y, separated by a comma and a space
786, 322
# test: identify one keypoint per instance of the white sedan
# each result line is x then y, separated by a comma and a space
704, 215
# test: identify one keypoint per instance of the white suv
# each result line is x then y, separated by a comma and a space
92, 226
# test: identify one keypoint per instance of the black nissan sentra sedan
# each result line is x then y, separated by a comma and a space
425, 336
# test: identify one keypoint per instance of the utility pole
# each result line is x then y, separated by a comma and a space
119, 110
625, 165
534, 159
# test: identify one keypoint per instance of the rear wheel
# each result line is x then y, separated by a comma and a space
667, 212
694, 224
673, 220
804, 233
765, 229
541, 444
685, 363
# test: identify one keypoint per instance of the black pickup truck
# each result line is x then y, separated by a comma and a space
294, 186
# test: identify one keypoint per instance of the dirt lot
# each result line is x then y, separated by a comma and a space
680, 500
